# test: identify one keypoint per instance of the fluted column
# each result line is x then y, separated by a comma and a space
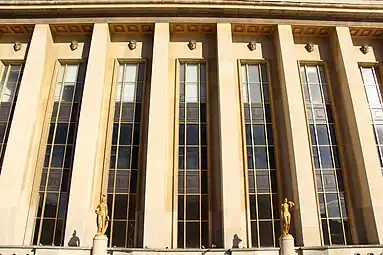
299, 176
89, 152
19, 166
232, 168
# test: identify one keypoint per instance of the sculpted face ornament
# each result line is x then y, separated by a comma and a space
73, 45
132, 44
364, 49
17, 46
192, 45
251, 45
309, 47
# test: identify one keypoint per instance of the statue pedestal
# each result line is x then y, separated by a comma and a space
286, 243
100, 244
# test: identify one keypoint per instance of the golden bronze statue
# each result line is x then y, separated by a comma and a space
102, 216
286, 216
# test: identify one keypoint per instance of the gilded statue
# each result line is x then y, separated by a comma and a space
286, 216
102, 216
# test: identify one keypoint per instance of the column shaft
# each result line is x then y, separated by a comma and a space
365, 166
233, 184
158, 184
298, 179
16, 181
89, 152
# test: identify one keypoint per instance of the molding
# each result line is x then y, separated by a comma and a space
252, 29
351, 11
126, 28
315, 31
66, 29
364, 32
16, 29
192, 28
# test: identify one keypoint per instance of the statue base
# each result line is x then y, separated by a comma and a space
286, 243
100, 244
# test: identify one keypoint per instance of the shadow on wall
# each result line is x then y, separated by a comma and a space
236, 241
74, 240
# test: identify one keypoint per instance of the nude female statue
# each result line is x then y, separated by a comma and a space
102, 216
286, 216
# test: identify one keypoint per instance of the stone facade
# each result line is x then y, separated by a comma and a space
224, 41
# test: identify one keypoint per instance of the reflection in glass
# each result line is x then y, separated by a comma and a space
124, 155
261, 176
325, 155
10, 81
56, 174
371, 81
193, 231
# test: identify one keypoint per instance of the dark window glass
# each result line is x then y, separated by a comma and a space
329, 184
125, 149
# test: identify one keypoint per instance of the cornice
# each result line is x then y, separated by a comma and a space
371, 11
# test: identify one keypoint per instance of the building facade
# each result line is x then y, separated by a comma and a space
196, 119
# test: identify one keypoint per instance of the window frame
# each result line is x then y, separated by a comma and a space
39, 165
109, 133
277, 162
178, 62
325, 65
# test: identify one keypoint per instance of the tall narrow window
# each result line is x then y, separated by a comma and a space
371, 81
261, 174
124, 156
193, 228
9, 86
56, 173
328, 169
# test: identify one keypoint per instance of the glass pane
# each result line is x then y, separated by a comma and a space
130, 73
368, 76
266, 236
129, 91
192, 208
260, 158
192, 159
325, 156
192, 235
312, 74
71, 73
259, 135
192, 182
372, 95
322, 133
192, 134
192, 73
263, 183
253, 73
255, 93
316, 94
191, 92
332, 205
264, 207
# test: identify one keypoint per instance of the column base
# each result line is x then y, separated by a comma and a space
287, 245
100, 244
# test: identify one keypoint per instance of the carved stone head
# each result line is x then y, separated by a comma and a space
364, 48
192, 45
252, 45
309, 47
132, 44
73, 45
17, 46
